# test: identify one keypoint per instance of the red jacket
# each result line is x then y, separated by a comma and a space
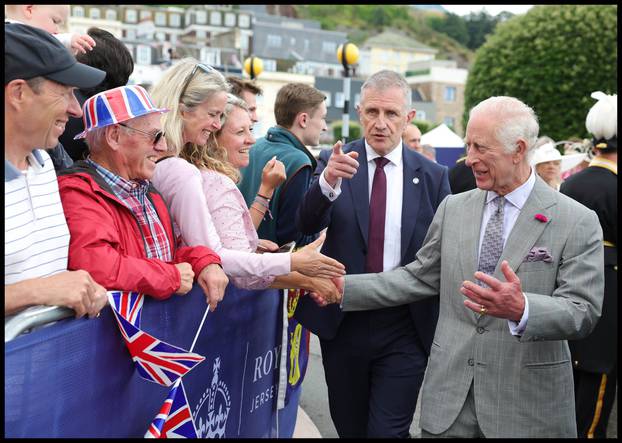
106, 240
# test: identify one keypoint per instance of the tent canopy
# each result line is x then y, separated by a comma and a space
442, 137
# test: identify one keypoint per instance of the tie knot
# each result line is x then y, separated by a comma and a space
381, 162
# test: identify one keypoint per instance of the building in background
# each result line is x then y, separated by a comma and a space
441, 82
391, 50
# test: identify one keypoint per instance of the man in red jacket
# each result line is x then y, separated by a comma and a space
121, 230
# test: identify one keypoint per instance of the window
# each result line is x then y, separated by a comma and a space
201, 34
328, 98
143, 55
450, 94
111, 14
274, 40
160, 19
244, 21
215, 18
94, 13
201, 17
230, 20
329, 47
175, 20
145, 15
78, 11
269, 65
130, 16
421, 115
449, 121
130, 34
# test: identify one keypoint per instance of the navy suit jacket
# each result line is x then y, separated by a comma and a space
347, 219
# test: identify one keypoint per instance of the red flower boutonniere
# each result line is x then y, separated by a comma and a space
541, 218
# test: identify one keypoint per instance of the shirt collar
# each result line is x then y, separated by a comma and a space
34, 159
395, 156
518, 196
125, 185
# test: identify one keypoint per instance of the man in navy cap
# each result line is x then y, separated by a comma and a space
39, 78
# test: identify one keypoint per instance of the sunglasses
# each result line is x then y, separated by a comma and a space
205, 68
156, 137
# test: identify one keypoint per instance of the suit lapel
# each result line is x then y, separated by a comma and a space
358, 187
411, 198
527, 229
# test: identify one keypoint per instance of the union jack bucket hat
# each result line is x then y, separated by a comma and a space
116, 106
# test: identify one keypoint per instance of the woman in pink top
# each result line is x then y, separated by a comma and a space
205, 203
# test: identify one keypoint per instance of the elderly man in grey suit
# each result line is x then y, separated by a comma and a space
500, 364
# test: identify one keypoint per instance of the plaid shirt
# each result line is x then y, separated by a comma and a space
133, 194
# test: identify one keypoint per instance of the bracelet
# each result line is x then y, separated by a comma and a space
263, 196
264, 204
258, 210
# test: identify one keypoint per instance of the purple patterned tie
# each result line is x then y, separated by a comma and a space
492, 244
377, 210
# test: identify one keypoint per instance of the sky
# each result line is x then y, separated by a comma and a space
491, 9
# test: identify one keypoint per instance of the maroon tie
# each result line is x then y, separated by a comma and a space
377, 209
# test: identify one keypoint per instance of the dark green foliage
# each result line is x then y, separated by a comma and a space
424, 126
354, 131
551, 58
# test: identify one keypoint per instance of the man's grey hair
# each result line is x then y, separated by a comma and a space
514, 120
386, 79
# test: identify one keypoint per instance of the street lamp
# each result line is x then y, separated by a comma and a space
253, 66
348, 55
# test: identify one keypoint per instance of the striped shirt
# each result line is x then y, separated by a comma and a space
36, 236
133, 194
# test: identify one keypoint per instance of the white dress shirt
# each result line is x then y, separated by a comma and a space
514, 202
393, 216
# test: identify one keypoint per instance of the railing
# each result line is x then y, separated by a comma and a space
33, 318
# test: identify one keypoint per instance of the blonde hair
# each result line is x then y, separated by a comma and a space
213, 156
166, 93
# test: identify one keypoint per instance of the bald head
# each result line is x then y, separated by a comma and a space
412, 137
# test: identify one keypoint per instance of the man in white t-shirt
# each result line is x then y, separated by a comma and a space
40, 76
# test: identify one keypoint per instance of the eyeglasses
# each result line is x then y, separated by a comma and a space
206, 68
156, 137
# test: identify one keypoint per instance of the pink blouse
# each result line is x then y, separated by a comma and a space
208, 209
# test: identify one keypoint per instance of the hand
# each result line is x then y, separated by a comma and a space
340, 165
323, 299
214, 282
76, 290
80, 43
187, 276
309, 261
503, 300
265, 245
325, 289
273, 175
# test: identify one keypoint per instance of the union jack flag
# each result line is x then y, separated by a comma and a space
174, 419
156, 360
127, 303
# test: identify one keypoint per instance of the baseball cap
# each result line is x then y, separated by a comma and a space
116, 106
32, 52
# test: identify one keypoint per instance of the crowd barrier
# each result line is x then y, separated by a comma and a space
75, 378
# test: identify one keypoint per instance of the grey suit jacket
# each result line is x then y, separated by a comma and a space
523, 386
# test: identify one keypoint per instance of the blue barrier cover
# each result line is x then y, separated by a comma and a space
75, 378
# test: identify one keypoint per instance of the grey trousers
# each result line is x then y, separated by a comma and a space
465, 425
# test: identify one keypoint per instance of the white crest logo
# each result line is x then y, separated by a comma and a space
212, 424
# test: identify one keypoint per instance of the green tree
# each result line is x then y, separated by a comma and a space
552, 58
479, 25
424, 125
354, 131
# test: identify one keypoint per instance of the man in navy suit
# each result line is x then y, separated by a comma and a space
377, 216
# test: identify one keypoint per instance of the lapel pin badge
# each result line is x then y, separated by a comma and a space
416, 180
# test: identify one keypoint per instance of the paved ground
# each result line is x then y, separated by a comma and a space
314, 402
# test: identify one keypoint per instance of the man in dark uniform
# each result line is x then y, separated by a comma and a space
595, 357
461, 177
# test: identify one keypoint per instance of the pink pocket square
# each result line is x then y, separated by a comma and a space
539, 254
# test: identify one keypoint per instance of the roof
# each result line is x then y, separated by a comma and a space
442, 137
395, 40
